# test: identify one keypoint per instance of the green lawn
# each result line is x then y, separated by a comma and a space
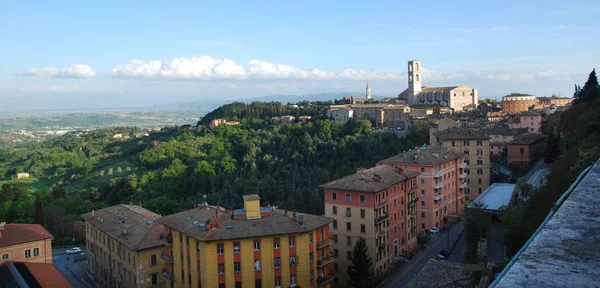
31, 182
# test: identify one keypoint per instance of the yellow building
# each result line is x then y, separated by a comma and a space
124, 247
25, 243
477, 165
210, 246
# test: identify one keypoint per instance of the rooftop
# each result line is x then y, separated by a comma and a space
28, 274
133, 226
13, 234
566, 251
526, 139
194, 223
462, 133
425, 157
495, 196
530, 113
438, 89
437, 274
371, 180
503, 130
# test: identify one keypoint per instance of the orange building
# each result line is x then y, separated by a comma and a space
522, 148
516, 103
25, 243
442, 184
256, 246
555, 100
377, 205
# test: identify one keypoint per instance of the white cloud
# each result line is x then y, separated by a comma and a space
73, 71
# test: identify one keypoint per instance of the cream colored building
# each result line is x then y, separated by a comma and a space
476, 146
383, 115
441, 125
455, 97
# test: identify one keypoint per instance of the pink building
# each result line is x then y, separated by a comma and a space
500, 136
442, 183
532, 121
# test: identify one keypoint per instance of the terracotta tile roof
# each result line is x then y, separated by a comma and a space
32, 275
503, 130
365, 180
143, 230
439, 274
193, 223
527, 139
13, 234
438, 89
429, 157
461, 134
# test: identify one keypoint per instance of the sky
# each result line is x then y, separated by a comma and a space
126, 53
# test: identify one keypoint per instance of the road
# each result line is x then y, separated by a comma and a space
538, 178
75, 278
401, 276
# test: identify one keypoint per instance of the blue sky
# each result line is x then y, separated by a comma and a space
195, 50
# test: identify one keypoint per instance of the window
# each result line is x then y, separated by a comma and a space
348, 226
363, 228
479, 162
466, 143
4, 256
479, 143
293, 280
362, 199
335, 224
256, 265
479, 190
155, 279
348, 212
187, 239
480, 171
197, 246
256, 245
422, 203
422, 214
221, 285
452, 143
312, 276
422, 192
221, 269
334, 210
333, 196
292, 261
278, 282
292, 241
422, 169
479, 180
220, 248
466, 151
394, 216
479, 152
28, 253
310, 238
36, 251
348, 198
335, 253
349, 241
423, 225
277, 263
311, 257
258, 283
238, 284
422, 181
362, 213
349, 255
236, 247
334, 238
152, 259
198, 264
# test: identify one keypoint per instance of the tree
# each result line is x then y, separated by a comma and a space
360, 269
522, 151
7, 193
59, 192
590, 91
39, 213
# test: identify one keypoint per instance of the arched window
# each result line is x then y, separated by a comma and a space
410, 78
417, 76
409, 67
417, 66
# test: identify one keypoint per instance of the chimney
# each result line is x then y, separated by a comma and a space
300, 218
93, 213
399, 170
377, 178
286, 213
294, 216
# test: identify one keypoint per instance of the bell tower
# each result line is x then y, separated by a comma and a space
414, 81
368, 95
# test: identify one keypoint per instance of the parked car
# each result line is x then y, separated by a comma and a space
74, 250
434, 230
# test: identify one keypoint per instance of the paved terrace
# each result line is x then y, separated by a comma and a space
495, 196
566, 251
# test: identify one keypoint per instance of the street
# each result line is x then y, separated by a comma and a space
537, 175
76, 276
401, 276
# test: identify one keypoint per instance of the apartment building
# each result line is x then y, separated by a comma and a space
377, 205
522, 148
532, 121
516, 103
25, 243
476, 146
500, 136
124, 246
210, 246
442, 184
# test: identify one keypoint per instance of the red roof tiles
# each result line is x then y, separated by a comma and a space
13, 234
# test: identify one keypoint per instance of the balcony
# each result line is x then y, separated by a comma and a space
167, 275
166, 257
166, 238
324, 243
414, 188
438, 186
438, 197
413, 201
381, 218
381, 234
462, 176
463, 185
381, 204
437, 174
462, 165
325, 261
321, 281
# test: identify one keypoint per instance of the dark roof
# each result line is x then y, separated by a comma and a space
429, 157
14, 234
437, 274
143, 230
364, 180
275, 224
28, 274
529, 113
251, 197
527, 139
504, 130
461, 133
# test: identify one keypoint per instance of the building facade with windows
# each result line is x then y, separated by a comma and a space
124, 247
210, 246
442, 184
476, 146
25, 243
377, 205
516, 103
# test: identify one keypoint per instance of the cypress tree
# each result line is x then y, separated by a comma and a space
39, 213
591, 89
360, 269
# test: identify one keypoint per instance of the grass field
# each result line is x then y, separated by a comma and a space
31, 182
